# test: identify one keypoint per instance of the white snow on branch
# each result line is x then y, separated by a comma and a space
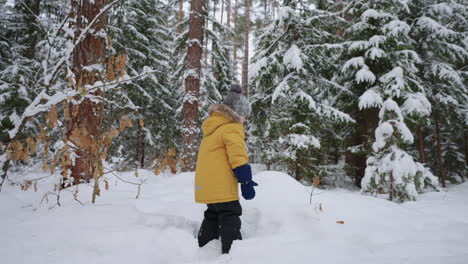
284, 12
375, 53
382, 133
257, 66
365, 75
355, 63
416, 104
94, 67
281, 88
369, 99
292, 58
394, 82
395, 28
391, 106
302, 141
37, 107
306, 97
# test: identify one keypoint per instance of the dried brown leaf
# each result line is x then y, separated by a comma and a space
52, 116
125, 122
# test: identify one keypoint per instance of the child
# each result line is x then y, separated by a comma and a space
222, 163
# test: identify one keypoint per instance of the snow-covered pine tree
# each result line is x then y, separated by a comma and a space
292, 89
20, 33
142, 30
440, 30
380, 69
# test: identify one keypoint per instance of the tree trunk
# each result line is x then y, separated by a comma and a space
421, 144
192, 86
439, 153
234, 48
212, 29
363, 133
180, 16
222, 12
88, 115
138, 146
391, 188
142, 158
245, 62
228, 13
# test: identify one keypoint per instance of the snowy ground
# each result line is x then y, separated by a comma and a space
279, 226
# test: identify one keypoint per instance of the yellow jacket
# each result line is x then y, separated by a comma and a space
222, 149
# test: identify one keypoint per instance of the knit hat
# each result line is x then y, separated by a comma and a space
237, 101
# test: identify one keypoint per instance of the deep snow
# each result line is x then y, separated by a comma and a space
279, 225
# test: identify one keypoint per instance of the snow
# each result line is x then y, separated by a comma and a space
396, 28
375, 53
355, 63
391, 106
302, 141
369, 99
382, 133
394, 82
292, 58
279, 225
365, 75
417, 104
284, 12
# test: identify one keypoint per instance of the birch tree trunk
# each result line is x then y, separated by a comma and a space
192, 86
245, 61
88, 115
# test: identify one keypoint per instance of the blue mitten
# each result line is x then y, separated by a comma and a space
248, 191
244, 177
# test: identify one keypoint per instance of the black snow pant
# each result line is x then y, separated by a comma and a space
221, 219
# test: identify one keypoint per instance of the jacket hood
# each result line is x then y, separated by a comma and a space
219, 115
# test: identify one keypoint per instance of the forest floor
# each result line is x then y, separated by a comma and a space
279, 226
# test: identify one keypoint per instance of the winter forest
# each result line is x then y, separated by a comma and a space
353, 103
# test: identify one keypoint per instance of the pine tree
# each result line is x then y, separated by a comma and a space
440, 32
20, 35
141, 30
380, 69
290, 80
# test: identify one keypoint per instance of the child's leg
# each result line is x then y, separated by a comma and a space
229, 218
209, 229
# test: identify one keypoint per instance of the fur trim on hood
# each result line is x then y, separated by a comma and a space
226, 111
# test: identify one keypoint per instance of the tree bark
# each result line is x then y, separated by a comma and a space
180, 16
88, 115
421, 144
390, 193
439, 153
222, 11
245, 62
234, 48
228, 13
138, 146
192, 86
212, 29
